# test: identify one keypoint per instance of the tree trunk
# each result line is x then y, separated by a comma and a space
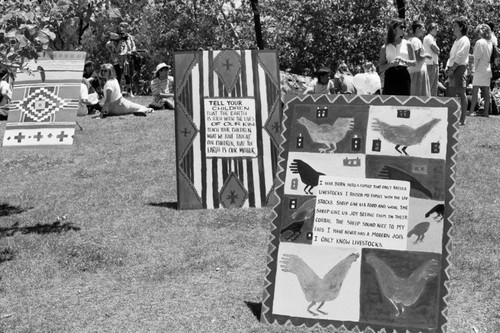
258, 27
401, 8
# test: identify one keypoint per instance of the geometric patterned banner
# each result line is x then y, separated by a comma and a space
361, 236
227, 123
44, 104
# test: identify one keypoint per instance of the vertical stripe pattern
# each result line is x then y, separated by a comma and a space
209, 175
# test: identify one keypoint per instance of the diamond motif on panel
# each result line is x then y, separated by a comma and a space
41, 105
227, 64
233, 193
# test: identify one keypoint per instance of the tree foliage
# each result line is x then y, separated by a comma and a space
25, 30
307, 34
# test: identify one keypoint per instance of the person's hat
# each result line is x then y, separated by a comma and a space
114, 36
160, 66
324, 70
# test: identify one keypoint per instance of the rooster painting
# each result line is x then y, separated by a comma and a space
307, 174
402, 292
316, 289
403, 135
326, 134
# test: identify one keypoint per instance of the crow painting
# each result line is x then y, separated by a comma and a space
307, 174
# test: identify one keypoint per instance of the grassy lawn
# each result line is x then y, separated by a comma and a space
91, 240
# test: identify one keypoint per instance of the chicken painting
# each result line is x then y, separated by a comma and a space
403, 135
419, 230
402, 292
307, 174
314, 288
326, 134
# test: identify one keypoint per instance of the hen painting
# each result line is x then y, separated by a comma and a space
314, 288
307, 174
403, 135
419, 230
402, 292
326, 134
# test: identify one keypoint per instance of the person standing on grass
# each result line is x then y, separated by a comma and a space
431, 48
456, 66
395, 58
420, 85
482, 68
113, 103
162, 87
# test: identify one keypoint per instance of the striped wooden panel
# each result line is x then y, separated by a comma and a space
225, 181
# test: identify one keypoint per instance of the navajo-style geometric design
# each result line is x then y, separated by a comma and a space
45, 102
224, 180
338, 259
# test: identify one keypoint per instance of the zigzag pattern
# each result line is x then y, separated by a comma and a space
450, 103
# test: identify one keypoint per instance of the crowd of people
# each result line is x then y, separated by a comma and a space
101, 90
410, 66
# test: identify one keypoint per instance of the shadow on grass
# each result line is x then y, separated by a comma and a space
256, 308
41, 229
6, 209
6, 255
171, 205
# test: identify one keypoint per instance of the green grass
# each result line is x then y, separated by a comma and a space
93, 241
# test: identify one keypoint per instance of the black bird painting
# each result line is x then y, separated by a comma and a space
294, 230
391, 172
307, 174
438, 210
419, 230
305, 216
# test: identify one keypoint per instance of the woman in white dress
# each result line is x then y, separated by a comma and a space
113, 103
482, 68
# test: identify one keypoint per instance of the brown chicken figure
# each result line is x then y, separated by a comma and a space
316, 289
403, 135
327, 134
402, 292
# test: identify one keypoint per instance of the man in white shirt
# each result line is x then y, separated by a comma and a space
431, 48
456, 67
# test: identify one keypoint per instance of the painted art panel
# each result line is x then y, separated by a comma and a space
361, 233
44, 104
228, 125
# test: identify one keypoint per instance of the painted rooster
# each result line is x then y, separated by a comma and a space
402, 292
316, 289
327, 134
403, 135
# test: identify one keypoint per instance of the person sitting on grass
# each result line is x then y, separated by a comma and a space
162, 87
5, 93
92, 78
321, 84
113, 103
89, 102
